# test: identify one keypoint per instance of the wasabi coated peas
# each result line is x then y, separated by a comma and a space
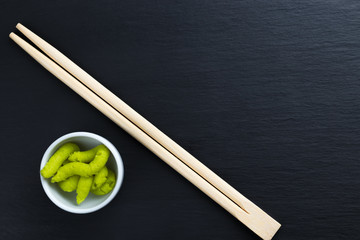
83, 171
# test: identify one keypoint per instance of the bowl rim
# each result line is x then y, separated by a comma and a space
119, 179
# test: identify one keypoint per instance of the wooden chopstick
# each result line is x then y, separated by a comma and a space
251, 215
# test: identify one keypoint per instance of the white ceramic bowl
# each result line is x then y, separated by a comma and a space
67, 201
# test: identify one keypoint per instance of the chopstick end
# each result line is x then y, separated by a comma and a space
12, 35
19, 25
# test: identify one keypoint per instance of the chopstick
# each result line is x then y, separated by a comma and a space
156, 141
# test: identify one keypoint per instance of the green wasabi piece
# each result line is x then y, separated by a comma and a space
69, 184
84, 156
84, 169
100, 178
107, 186
83, 188
57, 159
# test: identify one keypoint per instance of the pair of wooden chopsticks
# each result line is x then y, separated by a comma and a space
147, 134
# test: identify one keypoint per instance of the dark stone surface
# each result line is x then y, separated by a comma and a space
265, 93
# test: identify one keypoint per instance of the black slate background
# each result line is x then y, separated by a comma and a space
265, 93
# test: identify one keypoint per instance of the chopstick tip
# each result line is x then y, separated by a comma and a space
11, 35
19, 25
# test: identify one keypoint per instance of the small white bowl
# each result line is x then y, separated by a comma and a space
67, 201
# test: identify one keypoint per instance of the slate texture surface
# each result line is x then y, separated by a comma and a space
265, 93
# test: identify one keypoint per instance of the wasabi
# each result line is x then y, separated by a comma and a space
83, 188
69, 184
100, 178
107, 186
83, 169
85, 156
57, 159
